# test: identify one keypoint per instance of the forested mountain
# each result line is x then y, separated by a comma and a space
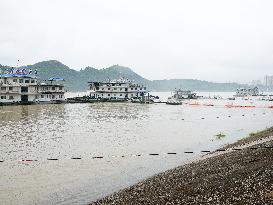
78, 80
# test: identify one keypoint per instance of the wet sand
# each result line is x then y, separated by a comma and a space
240, 176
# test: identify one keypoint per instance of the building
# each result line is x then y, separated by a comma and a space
121, 89
268, 81
25, 88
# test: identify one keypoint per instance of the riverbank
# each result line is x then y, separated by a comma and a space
243, 174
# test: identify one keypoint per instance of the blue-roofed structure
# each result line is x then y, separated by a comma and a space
25, 88
56, 79
17, 75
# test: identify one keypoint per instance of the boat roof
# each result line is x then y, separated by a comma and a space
17, 76
56, 79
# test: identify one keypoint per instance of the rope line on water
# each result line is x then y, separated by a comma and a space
150, 154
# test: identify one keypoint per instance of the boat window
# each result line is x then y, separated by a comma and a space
32, 81
10, 88
11, 97
26, 81
21, 80
15, 80
3, 88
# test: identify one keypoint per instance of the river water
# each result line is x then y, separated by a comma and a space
116, 131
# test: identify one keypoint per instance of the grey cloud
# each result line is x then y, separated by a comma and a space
213, 40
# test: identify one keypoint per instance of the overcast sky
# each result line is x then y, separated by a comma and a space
215, 40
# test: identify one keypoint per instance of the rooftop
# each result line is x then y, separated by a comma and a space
17, 75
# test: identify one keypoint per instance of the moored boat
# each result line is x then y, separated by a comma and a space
173, 101
120, 90
22, 87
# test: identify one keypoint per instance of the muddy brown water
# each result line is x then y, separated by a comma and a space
83, 131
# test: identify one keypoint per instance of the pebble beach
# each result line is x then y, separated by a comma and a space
242, 174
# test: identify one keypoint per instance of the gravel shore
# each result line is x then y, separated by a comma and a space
243, 176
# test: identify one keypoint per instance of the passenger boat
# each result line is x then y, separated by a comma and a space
184, 94
246, 92
25, 88
118, 90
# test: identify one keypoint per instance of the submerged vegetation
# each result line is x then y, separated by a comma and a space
220, 136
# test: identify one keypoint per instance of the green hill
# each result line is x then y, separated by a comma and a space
78, 80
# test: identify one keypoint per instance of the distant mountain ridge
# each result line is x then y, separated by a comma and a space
78, 80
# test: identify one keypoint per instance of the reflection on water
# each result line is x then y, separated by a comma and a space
63, 131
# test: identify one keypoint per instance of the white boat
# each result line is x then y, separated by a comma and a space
184, 94
122, 89
246, 92
24, 88
173, 101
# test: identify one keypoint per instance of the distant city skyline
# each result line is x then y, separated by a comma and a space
213, 40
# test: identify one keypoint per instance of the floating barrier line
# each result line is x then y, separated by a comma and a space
220, 150
151, 154
100, 157
228, 106
250, 146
